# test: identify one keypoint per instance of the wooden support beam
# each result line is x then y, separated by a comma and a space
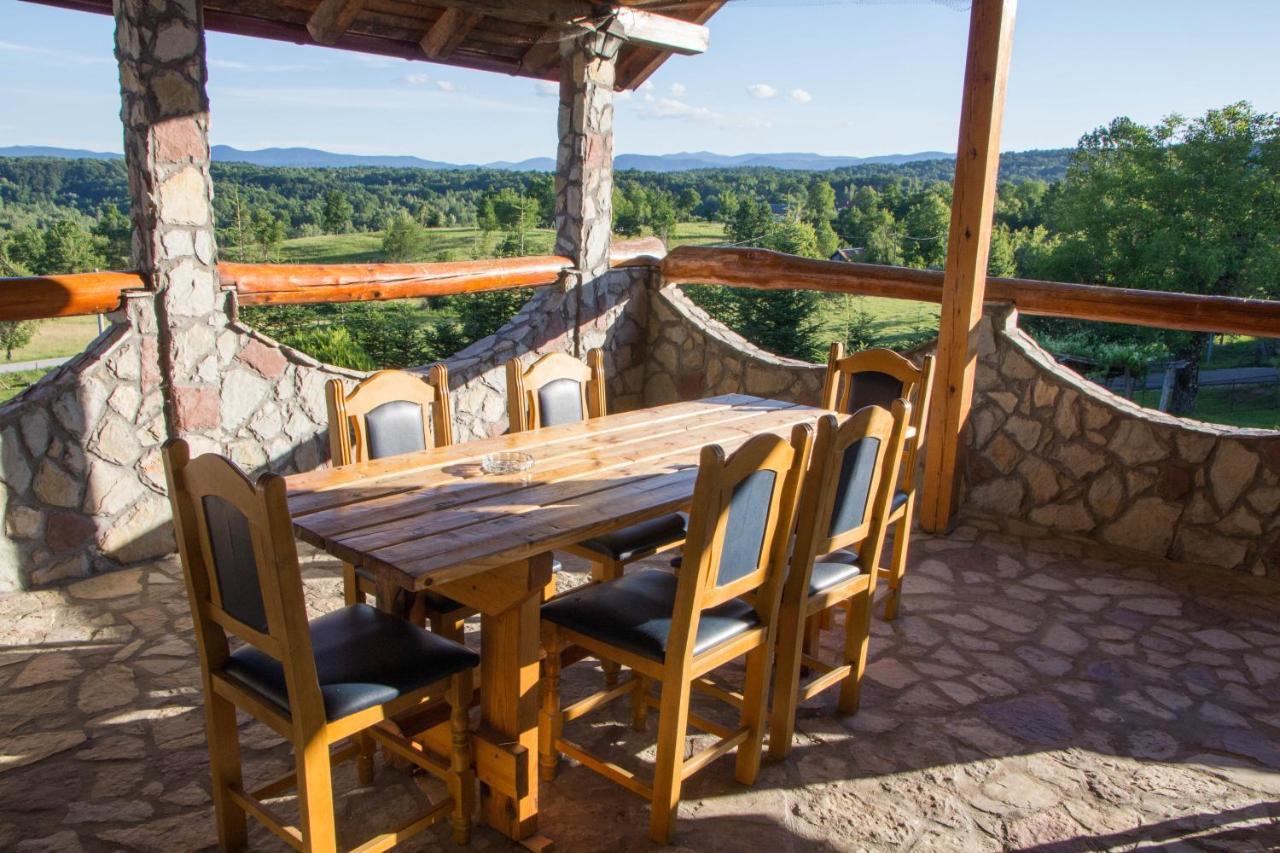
543, 53
965, 275
641, 64
672, 35
448, 32
548, 12
332, 18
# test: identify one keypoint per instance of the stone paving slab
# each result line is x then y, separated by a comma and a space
1031, 696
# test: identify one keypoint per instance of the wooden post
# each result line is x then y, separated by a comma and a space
964, 279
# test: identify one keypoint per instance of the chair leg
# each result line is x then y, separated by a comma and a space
607, 570
351, 586
786, 682
448, 625
673, 722
224, 760
898, 562
639, 707
462, 783
857, 639
813, 634
549, 722
364, 761
315, 795
754, 709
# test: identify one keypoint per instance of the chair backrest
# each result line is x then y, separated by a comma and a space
877, 377
390, 412
848, 489
740, 523
235, 538
555, 389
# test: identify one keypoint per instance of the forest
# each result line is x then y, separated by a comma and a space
1189, 205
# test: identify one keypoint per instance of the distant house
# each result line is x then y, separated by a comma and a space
779, 209
849, 256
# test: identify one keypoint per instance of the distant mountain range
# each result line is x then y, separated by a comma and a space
315, 158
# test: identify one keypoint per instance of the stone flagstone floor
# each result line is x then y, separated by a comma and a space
1029, 697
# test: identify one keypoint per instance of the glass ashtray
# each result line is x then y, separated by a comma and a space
506, 462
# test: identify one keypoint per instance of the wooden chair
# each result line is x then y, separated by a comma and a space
844, 503
877, 377
558, 389
336, 678
675, 629
388, 413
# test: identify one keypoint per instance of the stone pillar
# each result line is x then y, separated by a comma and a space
584, 158
165, 110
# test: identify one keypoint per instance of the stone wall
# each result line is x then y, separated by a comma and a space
1049, 447
1044, 447
692, 355
83, 481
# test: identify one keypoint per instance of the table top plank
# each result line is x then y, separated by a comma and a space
430, 517
314, 491
432, 489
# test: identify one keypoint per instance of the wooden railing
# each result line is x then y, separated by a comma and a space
766, 270
39, 297
294, 284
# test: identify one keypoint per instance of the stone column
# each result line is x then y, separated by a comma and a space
165, 110
584, 158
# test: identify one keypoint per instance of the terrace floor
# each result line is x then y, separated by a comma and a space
1028, 697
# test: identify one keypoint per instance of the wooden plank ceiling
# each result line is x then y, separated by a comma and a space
518, 37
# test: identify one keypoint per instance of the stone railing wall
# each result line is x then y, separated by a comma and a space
83, 484
1044, 447
692, 355
1049, 447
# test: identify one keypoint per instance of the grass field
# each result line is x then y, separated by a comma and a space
58, 337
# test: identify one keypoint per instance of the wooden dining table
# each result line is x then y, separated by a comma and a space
434, 520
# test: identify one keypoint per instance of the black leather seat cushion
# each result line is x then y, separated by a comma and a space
827, 575
634, 613
899, 501
639, 539
873, 388
364, 657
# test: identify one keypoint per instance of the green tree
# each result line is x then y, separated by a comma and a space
268, 234
70, 247
926, 223
115, 234
1185, 205
404, 239
337, 212
16, 334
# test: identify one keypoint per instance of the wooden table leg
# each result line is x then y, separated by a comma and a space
508, 599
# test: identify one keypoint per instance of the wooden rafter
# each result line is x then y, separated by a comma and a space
449, 31
542, 54
332, 18
641, 64
659, 31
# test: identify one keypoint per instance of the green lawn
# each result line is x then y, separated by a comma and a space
1243, 406
453, 243
696, 234
895, 322
58, 337
12, 383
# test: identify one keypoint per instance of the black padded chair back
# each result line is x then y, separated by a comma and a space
872, 388
853, 490
394, 428
234, 564
744, 531
560, 402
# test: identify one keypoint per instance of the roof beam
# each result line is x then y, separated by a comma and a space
332, 18
448, 32
548, 12
659, 31
539, 57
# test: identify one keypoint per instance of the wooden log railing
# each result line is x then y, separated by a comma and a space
278, 284
766, 270
39, 297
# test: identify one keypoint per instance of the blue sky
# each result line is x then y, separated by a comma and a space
827, 76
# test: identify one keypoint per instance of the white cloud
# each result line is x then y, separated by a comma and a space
669, 108
762, 90
60, 55
679, 90
647, 86
800, 96
236, 65
546, 89
415, 79
446, 86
